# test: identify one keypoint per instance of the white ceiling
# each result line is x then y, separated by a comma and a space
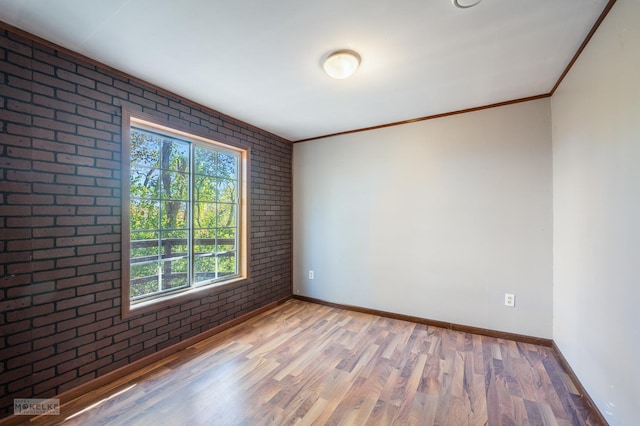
260, 61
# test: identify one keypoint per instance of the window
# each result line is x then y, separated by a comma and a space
184, 215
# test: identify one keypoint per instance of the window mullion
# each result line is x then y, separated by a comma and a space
191, 220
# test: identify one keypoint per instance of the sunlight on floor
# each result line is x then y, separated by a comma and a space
102, 401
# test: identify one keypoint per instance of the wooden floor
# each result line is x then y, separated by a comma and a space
304, 363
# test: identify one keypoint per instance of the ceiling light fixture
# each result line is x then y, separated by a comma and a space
457, 4
341, 64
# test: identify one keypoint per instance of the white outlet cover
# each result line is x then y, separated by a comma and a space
510, 300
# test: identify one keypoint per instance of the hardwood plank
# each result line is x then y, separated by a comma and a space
309, 364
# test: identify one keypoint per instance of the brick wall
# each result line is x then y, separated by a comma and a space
60, 323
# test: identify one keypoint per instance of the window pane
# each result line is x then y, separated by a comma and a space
175, 155
144, 279
183, 213
174, 186
226, 239
145, 149
205, 267
205, 160
144, 250
227, 264
175, 215
226, 215
174, 273
204, 215
204, 188
144, 182
227, 191
144, 214
227, 166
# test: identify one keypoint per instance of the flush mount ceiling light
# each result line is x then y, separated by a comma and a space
457, 3
341, 64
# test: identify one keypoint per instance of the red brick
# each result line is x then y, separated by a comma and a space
94, 346
20, 268
94, 153
30, 289
75, 98
53, 232
110, 275
111, 294
95, 75
29, 108
30, 199
53, 103
96, 172
54, 82
91, 210
53, 210
95, 307
75, 78
74, 200
74, 302
53, 274
53, 60
53, 253
15, 163
96, 288
108, 257
75, 322
103, 360
53, 167
75, 362
92, 269
16, 373
20, 384
127, 334
30, 85
156, 340
94, 230
12, 92
75, 241
54, 360
28, 358
75, 282
103, 201
132, 349
94, 133
30, 312
56, 381
75, 341
74, 261
53, 318
109, 313
15, 70
15, 257
29, 244
75, 180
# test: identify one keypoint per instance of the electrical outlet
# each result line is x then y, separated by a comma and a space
510, 300
311, 275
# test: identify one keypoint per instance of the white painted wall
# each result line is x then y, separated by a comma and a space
596, 165
436, 219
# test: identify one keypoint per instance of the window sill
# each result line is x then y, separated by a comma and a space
130, 309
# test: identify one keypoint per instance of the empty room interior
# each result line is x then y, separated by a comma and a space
366, 212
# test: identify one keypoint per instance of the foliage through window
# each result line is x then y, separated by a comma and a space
186, 212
